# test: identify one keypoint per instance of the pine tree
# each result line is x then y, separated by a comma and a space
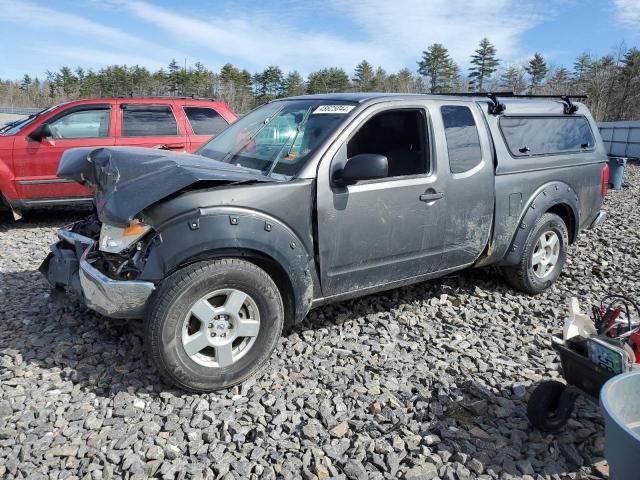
512, 79
581, 68
559, 82
26, 82
363, 76
404, 82
173, 76
485, 63
328, 80
269, 83
537, 70
438, 67
379, 80
293, 84
629, 81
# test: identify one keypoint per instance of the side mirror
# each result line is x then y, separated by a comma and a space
40, 133
365, 166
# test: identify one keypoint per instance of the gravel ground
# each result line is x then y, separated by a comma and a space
423, 382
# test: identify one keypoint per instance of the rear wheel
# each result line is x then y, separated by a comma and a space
543, 256
213, 324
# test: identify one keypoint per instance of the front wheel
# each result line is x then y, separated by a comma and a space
543, 256
213, 324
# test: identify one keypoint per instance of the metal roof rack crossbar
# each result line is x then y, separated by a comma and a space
507, 95
497, 108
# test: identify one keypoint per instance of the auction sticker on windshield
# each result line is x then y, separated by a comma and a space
344, 109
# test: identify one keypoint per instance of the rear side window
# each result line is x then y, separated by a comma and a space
205, 121
546, 135
148, 121
463, 142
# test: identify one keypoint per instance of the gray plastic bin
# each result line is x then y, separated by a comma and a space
616, 172
620, 401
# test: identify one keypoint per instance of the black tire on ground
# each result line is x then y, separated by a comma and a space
523, 276
550, 406
171, 303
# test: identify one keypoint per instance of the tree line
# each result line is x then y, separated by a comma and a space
611, 82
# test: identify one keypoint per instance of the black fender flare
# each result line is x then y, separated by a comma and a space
545, 198
217, 232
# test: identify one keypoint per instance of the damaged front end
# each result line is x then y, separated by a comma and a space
101, 257
106, 282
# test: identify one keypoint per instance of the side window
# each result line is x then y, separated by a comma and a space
148, 121
546, 135
463, 142
399, 135
82, 124
205, 121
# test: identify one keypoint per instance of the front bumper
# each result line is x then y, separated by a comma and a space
601, 217
67, 267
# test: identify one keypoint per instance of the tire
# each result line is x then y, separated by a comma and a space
529, 275
550, 406
198, 333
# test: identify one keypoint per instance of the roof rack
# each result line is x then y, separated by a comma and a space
506, 94
497, 108
177, 97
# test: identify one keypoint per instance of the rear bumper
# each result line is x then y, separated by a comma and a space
601, 217
67, 267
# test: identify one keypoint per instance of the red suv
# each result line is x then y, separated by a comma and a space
30, 149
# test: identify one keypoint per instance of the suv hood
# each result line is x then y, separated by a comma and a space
129, 179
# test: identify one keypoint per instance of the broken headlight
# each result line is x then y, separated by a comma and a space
116, 239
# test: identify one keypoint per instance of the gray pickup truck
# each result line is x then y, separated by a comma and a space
317, 199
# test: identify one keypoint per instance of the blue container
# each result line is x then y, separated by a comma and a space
616, 172
620, 401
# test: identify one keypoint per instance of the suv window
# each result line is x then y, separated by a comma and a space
148, 120
546, 135
205, 121
82, 124
399, 135
463, 142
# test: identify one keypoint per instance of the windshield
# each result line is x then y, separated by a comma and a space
277, 138
14, 127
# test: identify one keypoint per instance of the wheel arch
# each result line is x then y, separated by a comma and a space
262, 240
554, 197
568, 216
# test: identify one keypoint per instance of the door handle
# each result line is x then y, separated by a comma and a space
172, 146
430, 197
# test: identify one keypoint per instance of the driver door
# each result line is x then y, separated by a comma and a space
376, 232
36, 162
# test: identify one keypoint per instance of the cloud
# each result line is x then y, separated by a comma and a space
303, 36
260, 40
628, 12
408, 27
24, 13
392, 34
85, 56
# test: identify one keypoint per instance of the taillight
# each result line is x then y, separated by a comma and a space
605, 180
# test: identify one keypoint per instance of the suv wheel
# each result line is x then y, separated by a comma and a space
213, 324
543, 256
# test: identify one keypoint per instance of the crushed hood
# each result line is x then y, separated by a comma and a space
129, 179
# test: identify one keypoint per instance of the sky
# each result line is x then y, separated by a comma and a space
305, 35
